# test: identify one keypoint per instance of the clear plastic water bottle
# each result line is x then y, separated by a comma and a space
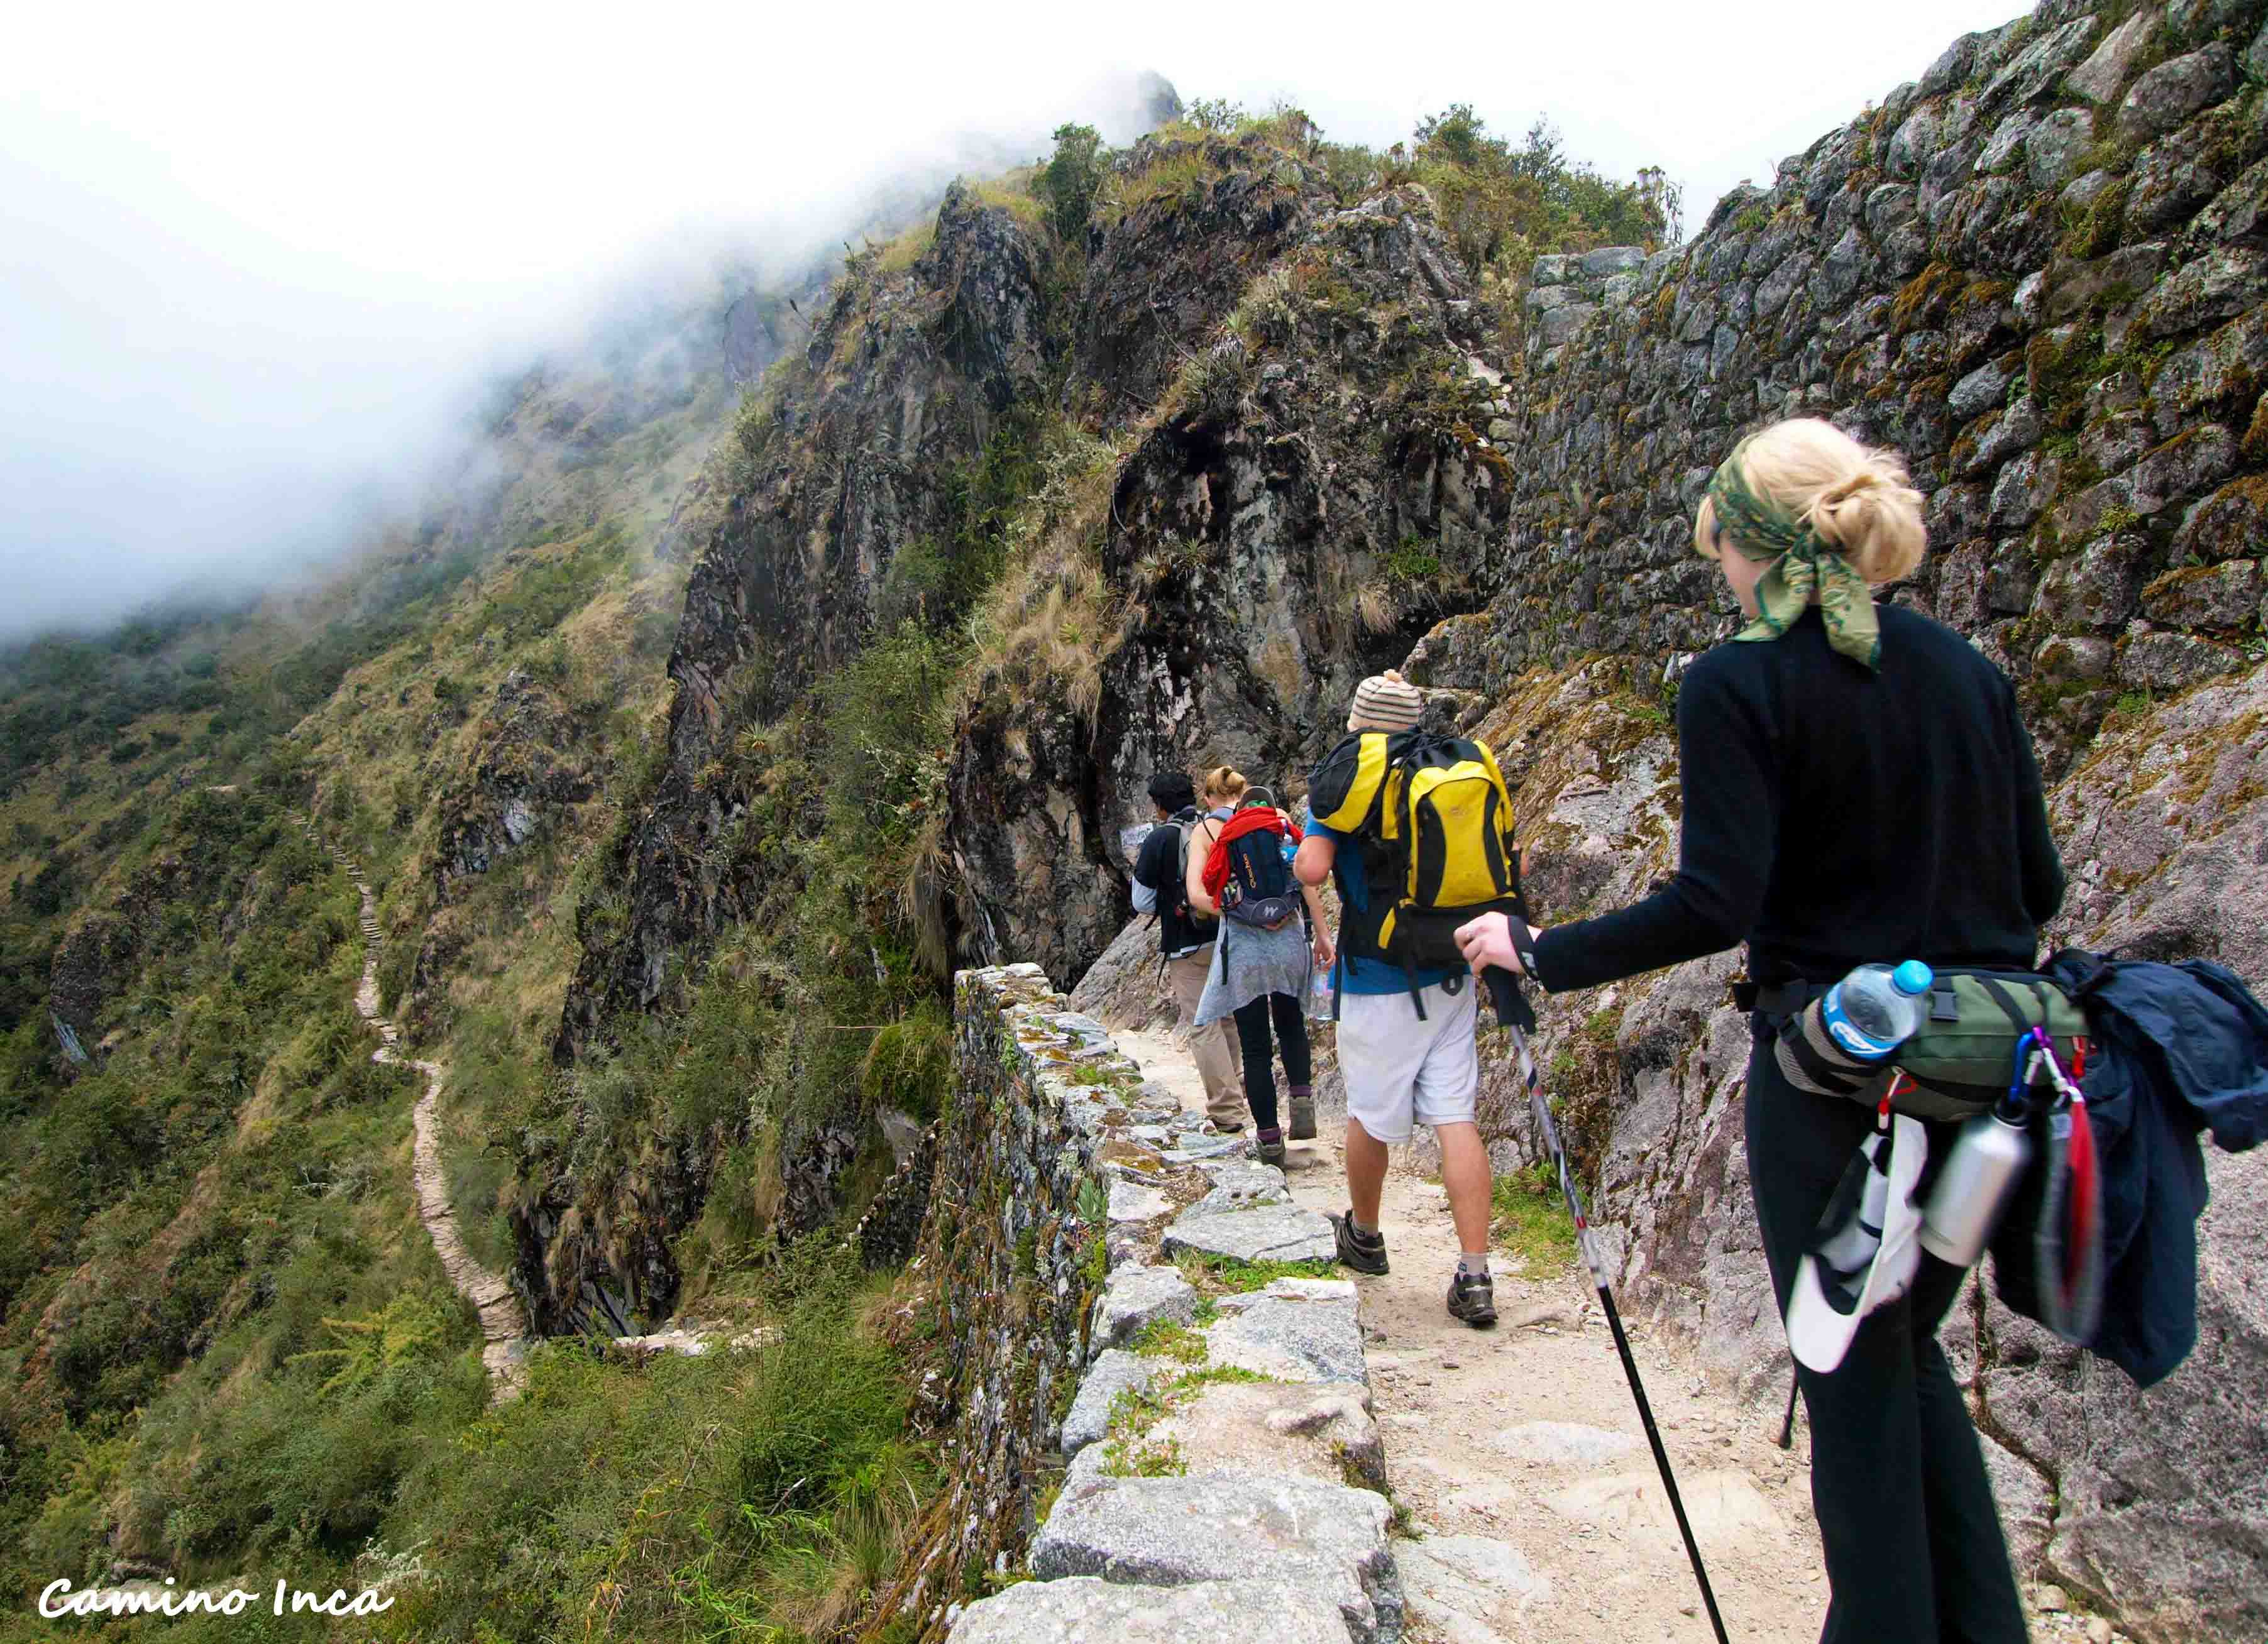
1876, 1009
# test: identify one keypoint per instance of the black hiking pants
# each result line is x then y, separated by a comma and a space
1913, 1543
1252, 1020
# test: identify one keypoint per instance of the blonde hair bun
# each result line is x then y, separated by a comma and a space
1856, 498
1224, 785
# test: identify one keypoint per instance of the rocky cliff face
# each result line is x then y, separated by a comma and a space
2038, 272
1306, 497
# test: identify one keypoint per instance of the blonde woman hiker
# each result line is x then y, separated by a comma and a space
1272, 935
1858, 786
1185, 941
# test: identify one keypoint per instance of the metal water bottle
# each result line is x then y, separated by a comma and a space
1991, 1153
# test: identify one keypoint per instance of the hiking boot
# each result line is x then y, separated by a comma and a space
1269, 1145
1472, 1297
1303, 1114
1229, 1125
1364, 1252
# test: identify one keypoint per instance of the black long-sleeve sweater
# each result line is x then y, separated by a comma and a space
1834, 817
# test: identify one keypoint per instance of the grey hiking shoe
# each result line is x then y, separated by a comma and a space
1302, 1127
1364, 1252
1472, 1297
1269, 1152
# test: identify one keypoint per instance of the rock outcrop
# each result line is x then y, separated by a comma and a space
1308, 497
521, 769
2038, 272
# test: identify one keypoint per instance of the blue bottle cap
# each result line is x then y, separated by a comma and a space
1913, 979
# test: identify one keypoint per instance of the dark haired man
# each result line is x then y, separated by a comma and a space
1186, 940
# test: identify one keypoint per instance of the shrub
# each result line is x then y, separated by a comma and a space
909, 1066
1071, 177
1504, 206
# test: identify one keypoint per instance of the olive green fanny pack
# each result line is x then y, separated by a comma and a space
1960, 1062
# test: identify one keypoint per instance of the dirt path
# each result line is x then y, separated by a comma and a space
1525, 1436
503, 1324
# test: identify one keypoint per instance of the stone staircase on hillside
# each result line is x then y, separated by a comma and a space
503, 1322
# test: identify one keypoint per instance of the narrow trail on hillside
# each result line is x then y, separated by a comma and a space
1525, 1437
503, 1323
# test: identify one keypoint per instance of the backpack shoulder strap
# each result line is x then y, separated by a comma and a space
1345, 789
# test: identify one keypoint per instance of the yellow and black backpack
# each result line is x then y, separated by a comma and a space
1434, 821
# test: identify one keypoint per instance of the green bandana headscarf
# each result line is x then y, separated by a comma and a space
1802, 565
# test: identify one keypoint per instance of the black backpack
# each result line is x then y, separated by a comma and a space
1259, 892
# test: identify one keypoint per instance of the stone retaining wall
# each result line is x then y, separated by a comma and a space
1165, 1459
2038, 272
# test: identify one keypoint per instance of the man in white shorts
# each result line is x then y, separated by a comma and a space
1401, 1070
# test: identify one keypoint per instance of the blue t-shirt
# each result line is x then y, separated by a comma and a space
1357, 974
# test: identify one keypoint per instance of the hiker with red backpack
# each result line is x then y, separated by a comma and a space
1272, 935
1185, 941
1415, 829
1858, 790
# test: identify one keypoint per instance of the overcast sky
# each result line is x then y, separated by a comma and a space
253, 259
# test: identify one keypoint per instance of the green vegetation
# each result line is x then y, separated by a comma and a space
227, 1346
760, 1491
1226, 1276
1163, 1339
1071, 178
1530, 1220
1504, 206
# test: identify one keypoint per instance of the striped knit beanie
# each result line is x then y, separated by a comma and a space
1386, 702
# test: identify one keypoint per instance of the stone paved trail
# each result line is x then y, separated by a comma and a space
503, 1324
1520, 1454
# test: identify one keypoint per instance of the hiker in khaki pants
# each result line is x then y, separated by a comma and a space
1186, 941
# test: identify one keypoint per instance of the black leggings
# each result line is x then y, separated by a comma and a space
1259, 1069
1913, 1544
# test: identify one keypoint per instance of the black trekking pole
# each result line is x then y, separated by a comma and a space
1513, 1010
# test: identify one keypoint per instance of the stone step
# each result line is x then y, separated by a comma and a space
1324, 1539
1115, 1372
1082, 1609
1262, 1232
1297, 1329
1137, 1295
1324, 1432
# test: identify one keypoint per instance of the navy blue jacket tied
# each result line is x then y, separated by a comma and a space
2179, 1049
